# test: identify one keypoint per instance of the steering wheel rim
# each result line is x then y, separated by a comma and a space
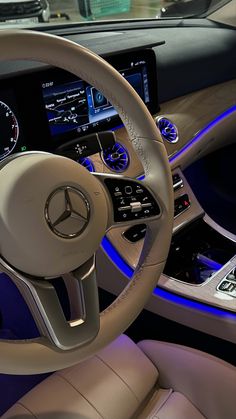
40, 355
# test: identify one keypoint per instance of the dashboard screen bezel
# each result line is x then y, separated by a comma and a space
28, 104
119, 61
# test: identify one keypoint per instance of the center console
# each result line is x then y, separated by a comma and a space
202, 255
197, 253
201, 262
198, 285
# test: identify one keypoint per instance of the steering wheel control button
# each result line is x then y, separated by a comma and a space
135, 202
135, 233
128, 190
67, 212
139, 190
231, 277
136, 206
181, 204
124, 208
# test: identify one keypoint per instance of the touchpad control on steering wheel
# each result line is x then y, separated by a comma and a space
131, 200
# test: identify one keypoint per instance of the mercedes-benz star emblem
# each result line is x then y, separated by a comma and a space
67, 212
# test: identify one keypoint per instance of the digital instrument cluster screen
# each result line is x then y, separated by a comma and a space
77, 107
11, 135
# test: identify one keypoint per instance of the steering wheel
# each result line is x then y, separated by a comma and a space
54, 214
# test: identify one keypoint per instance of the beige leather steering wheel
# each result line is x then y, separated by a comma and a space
54, 213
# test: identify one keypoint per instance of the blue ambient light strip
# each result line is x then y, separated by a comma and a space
166, 295
204, 131
176, 299
200, 134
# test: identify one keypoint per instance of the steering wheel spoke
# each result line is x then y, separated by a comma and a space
44, 304
131, 201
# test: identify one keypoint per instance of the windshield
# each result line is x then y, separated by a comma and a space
14, 12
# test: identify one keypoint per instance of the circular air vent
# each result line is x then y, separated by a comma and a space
116, 158
168, 130
87, 163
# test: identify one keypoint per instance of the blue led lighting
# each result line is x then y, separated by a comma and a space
116, 157
204, 131
87, 163
194, 305
142, 177
166, 295
118, 127
212, 264
167, 129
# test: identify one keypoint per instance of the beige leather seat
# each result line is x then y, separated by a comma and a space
151, 380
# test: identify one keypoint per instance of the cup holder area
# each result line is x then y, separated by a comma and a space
197, 252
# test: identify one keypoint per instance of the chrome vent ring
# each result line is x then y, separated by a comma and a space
168, 129
116, 158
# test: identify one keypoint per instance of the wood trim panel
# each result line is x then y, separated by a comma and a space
191, 113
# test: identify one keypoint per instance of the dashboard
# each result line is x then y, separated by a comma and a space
52, 110
189, 87
186, 76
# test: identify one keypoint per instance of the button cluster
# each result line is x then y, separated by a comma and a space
131, 200
181, 204
177, 181
228, 285
135, 233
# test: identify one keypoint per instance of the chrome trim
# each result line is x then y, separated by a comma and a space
116, 171
69, 212
158, 119
41, 298
221, 230
178, 185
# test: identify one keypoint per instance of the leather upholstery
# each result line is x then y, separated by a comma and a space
110, 385
167, 404
206, 381
121, 382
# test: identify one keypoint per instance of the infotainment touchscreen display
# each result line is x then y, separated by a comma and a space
76, 107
